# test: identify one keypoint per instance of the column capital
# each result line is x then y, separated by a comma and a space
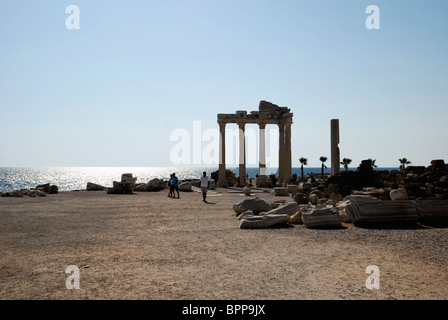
285, 122
222, 124
241, 125
262, 125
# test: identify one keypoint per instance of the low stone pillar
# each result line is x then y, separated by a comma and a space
335, 155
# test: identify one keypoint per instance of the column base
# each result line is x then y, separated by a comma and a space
242, 182
222, 183
263, 183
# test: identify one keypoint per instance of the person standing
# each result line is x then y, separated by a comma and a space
175, 185
205, 184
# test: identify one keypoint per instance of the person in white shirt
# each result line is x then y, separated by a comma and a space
205, 184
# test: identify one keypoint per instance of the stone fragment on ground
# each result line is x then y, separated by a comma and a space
256, 204
322, 218
263, 221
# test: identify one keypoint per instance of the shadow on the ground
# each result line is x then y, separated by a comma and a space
402, 225
328, 228
281, 226
434, 224
290, 226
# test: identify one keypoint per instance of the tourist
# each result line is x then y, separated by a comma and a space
257, 180
170, 185
205, 184
175, 185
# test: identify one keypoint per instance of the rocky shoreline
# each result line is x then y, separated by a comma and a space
415, 194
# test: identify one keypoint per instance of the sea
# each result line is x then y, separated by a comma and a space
76, 178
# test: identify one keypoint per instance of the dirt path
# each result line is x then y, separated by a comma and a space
148, 246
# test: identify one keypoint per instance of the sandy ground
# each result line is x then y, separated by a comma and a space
148, 246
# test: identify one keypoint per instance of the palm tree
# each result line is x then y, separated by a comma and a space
303, 162
373, 162
323, 159
346, 162
404, 162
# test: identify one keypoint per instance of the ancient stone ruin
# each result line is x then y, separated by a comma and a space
335, 154
365, 197
268, 113
125, 186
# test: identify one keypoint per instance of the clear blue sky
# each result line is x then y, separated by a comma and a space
111, 93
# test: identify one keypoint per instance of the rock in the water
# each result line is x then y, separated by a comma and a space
185, 186
156, 185
53, 189
280, 191
16, 193
44, 187
94, 187
289, 208
127, 178
263, 221
398, 194
321, 218
33, 193
121, 188
37, 193
255, 204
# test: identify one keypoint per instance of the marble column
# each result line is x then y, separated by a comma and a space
222, 155
287, 157
281, 153
262, 154
242, 154
335, 155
